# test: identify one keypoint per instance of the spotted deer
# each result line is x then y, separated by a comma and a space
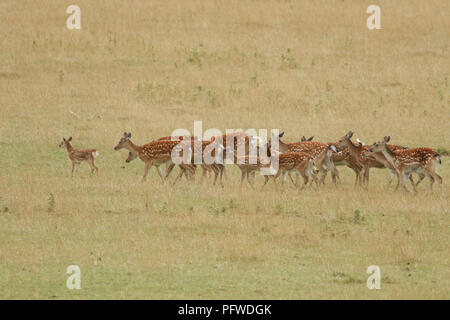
169, 165
301, 162
378, 156
77, 155
407, 161
314, 149
355, 155
340, 158
154, 153
248, 165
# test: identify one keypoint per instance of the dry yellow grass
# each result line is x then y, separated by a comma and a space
149, 67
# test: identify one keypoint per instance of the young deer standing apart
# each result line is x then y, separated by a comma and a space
420, 160
153, 153
77, 156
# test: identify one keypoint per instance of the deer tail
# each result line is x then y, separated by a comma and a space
95, 153
438, 157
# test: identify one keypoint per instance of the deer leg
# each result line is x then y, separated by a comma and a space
221, 168
275, 181
433, 176
190, 169
92, 165
356, 176
182, 170
366, 176
315, 179
216, 173
431, 181
334, 173
204, 170
391, 177
147, 166
421, 177
305, 179
336, 177
266, 179
249, 180
158, 167
412, 182
73, 167
398, 180
169, 169
242, 176
283, 178
404, 181
295, 183
362, 173
322, 171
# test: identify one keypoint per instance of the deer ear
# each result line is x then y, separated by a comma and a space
349, 134
387, 138
281, 135
129, 135
64, 139
303, 138
125, 134
310, 138
70, 139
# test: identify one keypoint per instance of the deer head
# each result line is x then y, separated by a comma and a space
64, 142
123, 141
378, 146
343, 142
283, 147
131, 157
330, 150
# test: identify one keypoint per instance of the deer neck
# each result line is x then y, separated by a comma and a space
389, 157
352, 149
130, 146
322, 156
380, 157
69, 147
283, 147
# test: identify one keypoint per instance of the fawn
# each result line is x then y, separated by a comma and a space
314, 149
420, 160
301, 162
378, 156
77, 155
355, 156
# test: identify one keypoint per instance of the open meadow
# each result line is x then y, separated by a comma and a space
150, 67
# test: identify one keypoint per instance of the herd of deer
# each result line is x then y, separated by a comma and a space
306, 158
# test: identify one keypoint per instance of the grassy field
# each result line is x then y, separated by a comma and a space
150, 67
